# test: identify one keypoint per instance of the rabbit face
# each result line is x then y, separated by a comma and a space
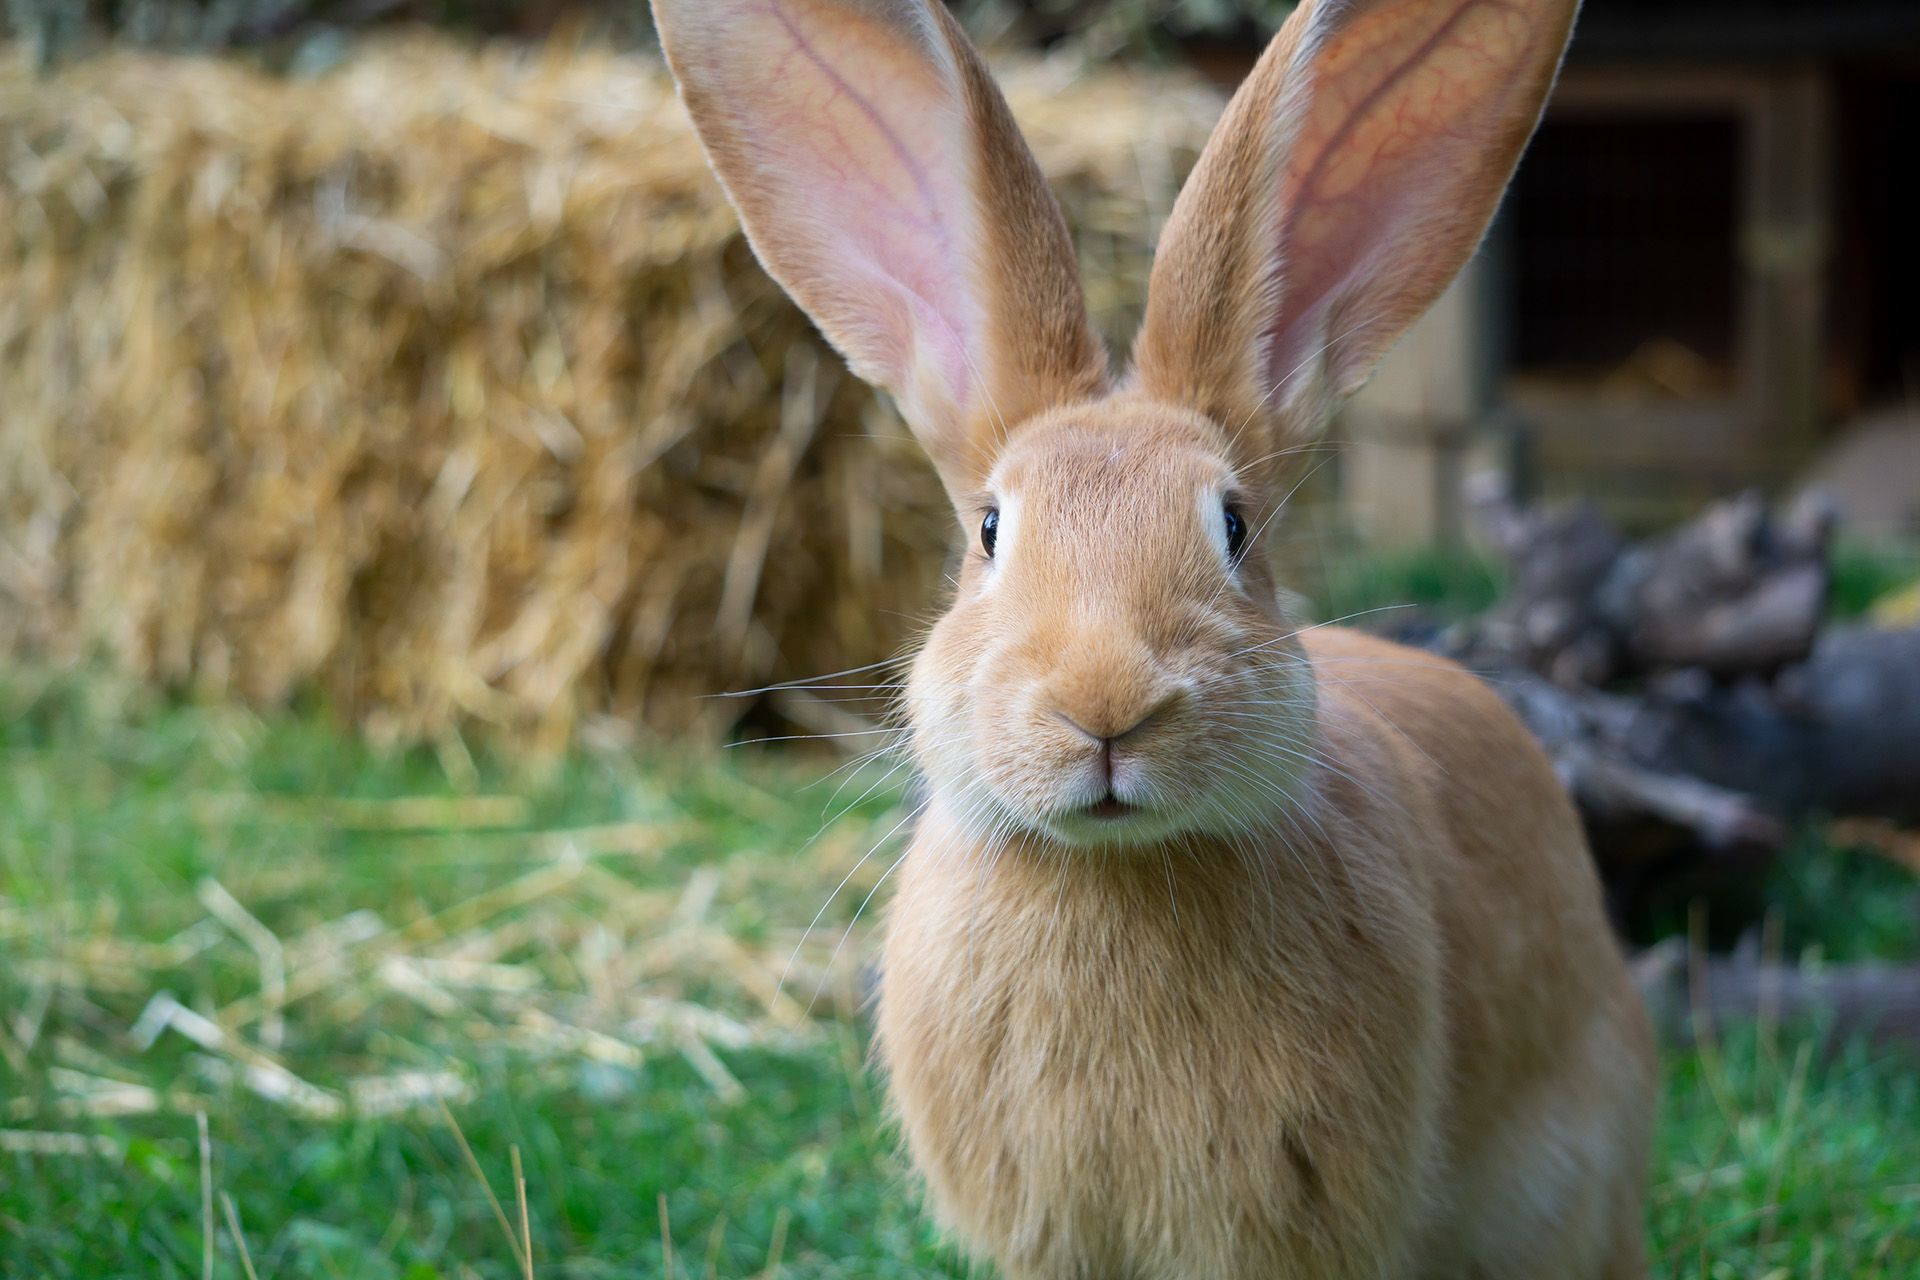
1115, 669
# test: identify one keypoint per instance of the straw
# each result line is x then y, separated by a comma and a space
444, 386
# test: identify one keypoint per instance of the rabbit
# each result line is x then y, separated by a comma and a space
1226, 947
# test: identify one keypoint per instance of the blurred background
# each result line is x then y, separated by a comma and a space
427, 542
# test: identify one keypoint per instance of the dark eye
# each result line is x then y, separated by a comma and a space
1236, 535
989, 530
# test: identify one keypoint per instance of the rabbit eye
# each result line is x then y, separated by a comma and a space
989, 531
1236, 535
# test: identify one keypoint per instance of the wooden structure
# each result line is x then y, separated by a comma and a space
1707, 261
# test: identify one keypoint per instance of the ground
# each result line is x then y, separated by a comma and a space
605, 972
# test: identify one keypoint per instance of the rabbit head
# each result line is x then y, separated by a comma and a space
1117, 665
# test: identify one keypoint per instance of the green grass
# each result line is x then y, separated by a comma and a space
1773, 1163
1845, 902
1449, 583
1457, 583
581, 962
1863, 575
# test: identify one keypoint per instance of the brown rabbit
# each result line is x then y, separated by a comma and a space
1225, 947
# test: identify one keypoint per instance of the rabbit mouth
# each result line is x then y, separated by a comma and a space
1109, 808
1108, 820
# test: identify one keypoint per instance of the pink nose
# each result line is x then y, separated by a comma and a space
1107, 725
1105, 728
1105, 687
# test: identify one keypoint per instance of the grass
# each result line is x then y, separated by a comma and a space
1449, 583
1865, 574
582, 967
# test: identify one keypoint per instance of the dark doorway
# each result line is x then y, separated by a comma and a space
1623, 244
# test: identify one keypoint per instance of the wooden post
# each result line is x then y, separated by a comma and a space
1784, 242
1408, 431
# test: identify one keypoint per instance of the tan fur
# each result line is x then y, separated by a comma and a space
1350, 177
1382, 1033
893, 93
1226, 947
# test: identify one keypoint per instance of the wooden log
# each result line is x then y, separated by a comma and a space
1739, 590
1646, 825
1688, 692
1838, 734
1548, 620
1727, 768
1583, 734
1687, 783
1694, 996
1734, 592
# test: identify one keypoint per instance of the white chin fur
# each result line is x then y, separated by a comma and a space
1084, 831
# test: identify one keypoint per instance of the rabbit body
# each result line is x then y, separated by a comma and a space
1403, 1046
1225, 949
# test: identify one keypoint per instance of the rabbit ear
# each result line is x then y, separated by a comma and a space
1350, 178
882, 181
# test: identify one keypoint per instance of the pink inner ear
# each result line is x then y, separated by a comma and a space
871, 222
1395, 169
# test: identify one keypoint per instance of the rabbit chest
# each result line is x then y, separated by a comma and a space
1183, 1067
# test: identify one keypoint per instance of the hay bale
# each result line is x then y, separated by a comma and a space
444, 386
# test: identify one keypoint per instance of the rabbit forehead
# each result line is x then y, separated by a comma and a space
1112, 456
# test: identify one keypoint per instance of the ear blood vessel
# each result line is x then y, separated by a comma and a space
1225, 946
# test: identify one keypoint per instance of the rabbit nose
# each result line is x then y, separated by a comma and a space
1104, 687
1105, 729
1107, 725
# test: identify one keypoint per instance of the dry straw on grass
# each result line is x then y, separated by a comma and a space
444, 385
567, 964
